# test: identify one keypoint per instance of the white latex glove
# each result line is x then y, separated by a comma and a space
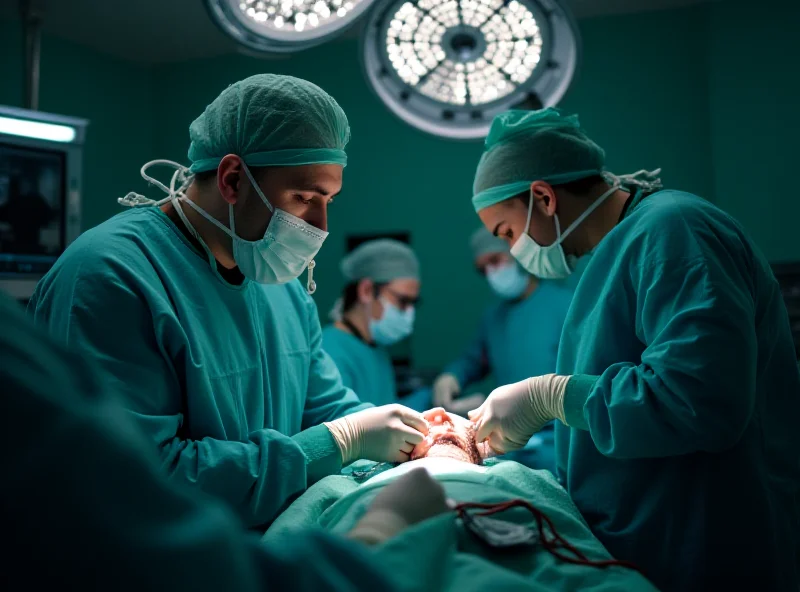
414, 497
466, 404
515, 412
445, 389
382, 434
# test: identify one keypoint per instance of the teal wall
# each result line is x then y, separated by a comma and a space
115, 95
659, 89
754, 103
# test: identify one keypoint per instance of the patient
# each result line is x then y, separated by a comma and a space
440, 553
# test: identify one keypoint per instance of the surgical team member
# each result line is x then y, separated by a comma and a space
377, 311
677, 387
192, 312
87, 508
517, 338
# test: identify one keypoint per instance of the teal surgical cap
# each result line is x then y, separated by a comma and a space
483, 242
382, 261
270, 120
527, 146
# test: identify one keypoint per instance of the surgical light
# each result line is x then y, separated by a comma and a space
36, 129
284, 25
448, 66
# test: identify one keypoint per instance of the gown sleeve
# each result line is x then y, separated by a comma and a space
85, 496
102, 314
695, 387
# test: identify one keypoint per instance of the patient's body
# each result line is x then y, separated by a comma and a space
443, 554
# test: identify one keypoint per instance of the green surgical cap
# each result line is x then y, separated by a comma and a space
270, 120
527, 146
382, 261
482, 242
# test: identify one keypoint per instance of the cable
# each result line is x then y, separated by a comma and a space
551, 545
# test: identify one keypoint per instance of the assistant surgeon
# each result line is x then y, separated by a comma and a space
377, 311
191, 308
517, 337
677, 388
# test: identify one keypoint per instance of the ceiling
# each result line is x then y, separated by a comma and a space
159, 31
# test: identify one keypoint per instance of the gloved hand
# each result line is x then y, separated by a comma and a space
466, 404
515, 412
383, 434
445, 389
414, 497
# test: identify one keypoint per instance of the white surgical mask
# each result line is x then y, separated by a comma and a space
287, 248
508, 280
551, 262
394, 325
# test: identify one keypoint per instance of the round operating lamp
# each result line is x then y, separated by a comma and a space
448, 66
284, 25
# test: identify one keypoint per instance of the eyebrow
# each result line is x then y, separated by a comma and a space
497, 228
321, 190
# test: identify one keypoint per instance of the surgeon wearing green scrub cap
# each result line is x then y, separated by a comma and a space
377, 310
676, 388
191, 307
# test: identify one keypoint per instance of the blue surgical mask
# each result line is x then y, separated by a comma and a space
551, 262
508, 280
394, 325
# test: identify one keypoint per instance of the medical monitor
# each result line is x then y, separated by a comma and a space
40, 194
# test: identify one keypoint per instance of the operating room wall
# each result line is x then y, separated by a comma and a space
755, 95
646, 106
114, 95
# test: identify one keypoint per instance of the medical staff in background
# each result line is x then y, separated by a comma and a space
79, 467
191, 308
677, 390
517, 338
376, 310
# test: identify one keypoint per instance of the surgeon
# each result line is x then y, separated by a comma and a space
191, 309
676, 388
377, 311
517, 337
83, 499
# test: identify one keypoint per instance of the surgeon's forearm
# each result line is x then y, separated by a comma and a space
467, 370
322, 452
257, 477
576, 393
634, 411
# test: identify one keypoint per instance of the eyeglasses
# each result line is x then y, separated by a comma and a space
404, 302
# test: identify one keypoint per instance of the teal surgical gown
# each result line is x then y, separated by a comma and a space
229, 381
517, 340
684, 451
365, 369
87, 508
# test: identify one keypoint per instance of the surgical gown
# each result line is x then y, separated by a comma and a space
87, 508
684, 455
229, 381
366, 370
517, 340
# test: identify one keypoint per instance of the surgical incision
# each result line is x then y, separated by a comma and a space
449, 436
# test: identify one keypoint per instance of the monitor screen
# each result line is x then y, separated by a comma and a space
32, 204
